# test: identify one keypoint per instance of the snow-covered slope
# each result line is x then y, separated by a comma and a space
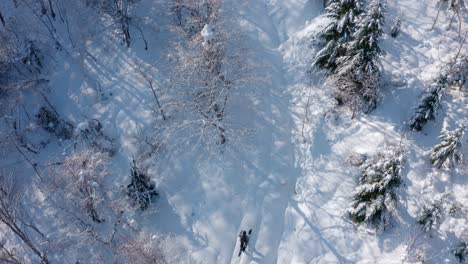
289, 177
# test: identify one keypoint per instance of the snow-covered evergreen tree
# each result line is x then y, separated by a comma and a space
359, 65
396, 28
374, 198
453, 74
363, 50
448, 152
343, 14
428, 105
461, 252
430, 216
141, 189
458, 72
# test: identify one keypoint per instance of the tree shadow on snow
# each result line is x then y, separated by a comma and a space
317, 231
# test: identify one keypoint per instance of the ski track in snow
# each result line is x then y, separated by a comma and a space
277, 38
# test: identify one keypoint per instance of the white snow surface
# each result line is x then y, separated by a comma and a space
291, 179
207, 33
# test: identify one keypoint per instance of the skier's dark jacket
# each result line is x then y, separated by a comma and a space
243, 237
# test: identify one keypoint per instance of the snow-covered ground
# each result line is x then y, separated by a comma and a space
289, 178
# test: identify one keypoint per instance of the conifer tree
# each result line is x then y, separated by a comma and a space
452, 75
363, 49
343, 14
461, 251
374, 199
457, 75
448, 152
428, 105
429, 217
396, 28
359, 66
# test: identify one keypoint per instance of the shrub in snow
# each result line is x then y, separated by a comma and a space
192, 16
461, 252
145, 249
396, 28
51, 122
77, 182
458, 74
429, 216
141, 189
357, 94
343, 15
374, 198
33, 57
448, 152
455, 208
356, 159
91, 132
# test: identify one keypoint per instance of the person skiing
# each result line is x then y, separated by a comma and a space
244, 239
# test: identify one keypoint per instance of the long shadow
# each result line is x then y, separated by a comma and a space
317, 231
251, 255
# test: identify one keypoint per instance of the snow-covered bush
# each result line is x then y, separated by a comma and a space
141, 190
458, 74
430, 216
460, 251
33, 57
343, 15
448, 152
193, 16
50, 121
374, 199
77, 182
145, 249
396, 28
356, 159
358, 92
91, 132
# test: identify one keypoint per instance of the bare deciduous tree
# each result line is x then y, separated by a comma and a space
78, 181
456, 7
210, 66
12, 216
10, 255
145, 249
118, 11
